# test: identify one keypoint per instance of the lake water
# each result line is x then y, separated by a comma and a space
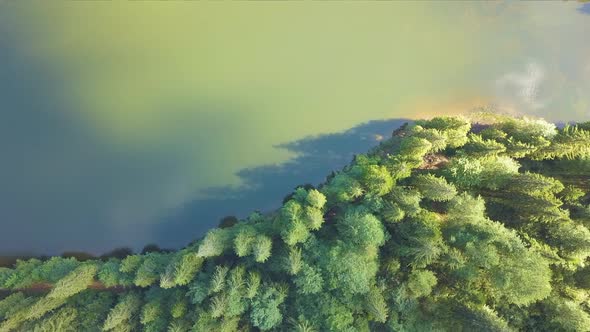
123, 124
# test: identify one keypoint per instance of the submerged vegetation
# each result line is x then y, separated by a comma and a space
448, 225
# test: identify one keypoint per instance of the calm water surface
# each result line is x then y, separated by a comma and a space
128, 123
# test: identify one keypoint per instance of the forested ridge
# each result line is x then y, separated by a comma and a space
452, 224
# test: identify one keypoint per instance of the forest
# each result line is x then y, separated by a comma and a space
458, 223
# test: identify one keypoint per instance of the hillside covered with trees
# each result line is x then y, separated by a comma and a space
451, 224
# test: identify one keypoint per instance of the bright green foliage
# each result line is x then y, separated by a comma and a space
443, 227
392, 212
526, 129
43, 306
75, 282
22, 275
215, 242
309, 280
349, 270
244, 240
185, 271
252, 284
420, 283
419, 240
296, 222
571, 142
181, 270
361, 228
414, 148
313, 218
495, 255
377, 306
14, 303
294, 262
261, 248
435, 188
490, 173
436, 137
123, 313
407, 200
315, 199
218, 279
54, 269
131, 263
571, 195
476, 318
571, 239
455, 129
566, 315
342, 188
295, 231
64, 320
479, 147
374, 178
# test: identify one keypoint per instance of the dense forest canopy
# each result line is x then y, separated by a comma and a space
477, 224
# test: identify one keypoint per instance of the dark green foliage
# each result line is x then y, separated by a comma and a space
444, 227
110, 274
149, 271
266, 313
93, 308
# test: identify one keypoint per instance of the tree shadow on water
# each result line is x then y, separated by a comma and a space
263, 188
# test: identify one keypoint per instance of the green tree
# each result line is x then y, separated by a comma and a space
75, 282
420, 283
376, 179
262, 248
122, 315
151, 268
414, 149
479, 147
309, 280
244, 240
265, 313
64, 320
454, 128
419, 240
342, 188
216, 242
435, 188
361, 228
110, 275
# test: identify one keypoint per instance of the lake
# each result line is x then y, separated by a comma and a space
128, 123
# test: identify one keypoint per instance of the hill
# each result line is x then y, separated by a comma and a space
457, 224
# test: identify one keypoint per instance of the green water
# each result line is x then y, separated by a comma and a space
118, 114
